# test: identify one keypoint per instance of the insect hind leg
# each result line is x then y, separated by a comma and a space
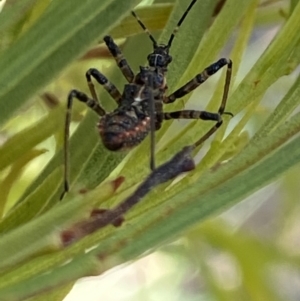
91, 103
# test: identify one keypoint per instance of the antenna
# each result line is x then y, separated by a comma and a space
180, 22
145, 28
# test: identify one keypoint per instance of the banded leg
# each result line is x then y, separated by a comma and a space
209, 133
118, 56
91, 103
102, 80
191, 114
152, 122
201, 78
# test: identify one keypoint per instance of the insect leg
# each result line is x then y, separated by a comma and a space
102, 80
91, 103
118, 56
152, 122
201, 78
191, 114
194, 83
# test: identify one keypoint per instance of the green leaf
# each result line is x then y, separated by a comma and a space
11, 13
14, 174
33, 259
154, 17
27, 65
28, 138
32, 205
162, 224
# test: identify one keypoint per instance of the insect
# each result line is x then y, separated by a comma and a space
136, 116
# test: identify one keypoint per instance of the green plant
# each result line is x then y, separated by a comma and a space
30, 246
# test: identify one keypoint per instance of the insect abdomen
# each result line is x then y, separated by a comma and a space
123, 130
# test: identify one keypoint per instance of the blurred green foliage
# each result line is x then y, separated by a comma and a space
46, 47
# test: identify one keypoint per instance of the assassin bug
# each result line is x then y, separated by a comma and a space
135, 115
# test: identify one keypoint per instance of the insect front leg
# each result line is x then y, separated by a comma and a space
91, 103
194, 83
201, 78
191, 114
102, 80
119, 57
